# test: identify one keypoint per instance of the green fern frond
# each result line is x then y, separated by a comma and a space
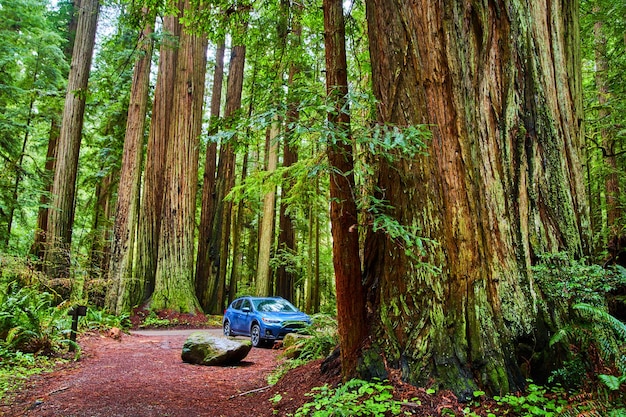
603, 316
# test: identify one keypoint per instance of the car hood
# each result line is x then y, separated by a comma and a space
296, 316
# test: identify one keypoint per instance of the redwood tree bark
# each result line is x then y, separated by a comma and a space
39, 241
266, 229
124, 288
343, 212
219, 245
61, 216
203, 262
499, 84
285, 278
175, 272
156, 152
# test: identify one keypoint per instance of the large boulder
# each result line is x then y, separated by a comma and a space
203, 349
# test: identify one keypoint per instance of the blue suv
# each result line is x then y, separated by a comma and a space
263, 319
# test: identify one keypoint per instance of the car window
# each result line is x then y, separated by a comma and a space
246, 303
274, 306
237, 304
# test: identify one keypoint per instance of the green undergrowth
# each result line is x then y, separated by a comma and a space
17, 367
353, 398
321, 339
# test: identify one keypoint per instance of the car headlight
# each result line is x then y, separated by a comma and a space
270, 321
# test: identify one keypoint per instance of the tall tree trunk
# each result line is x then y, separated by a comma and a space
18, 169
343, 212
125, 290
203, 262
286, 236
266, 232
310, 271
100, 228
499, 84
611, 181
61, 217
39, 241
156, 153
238, 225
219, 246
174, 288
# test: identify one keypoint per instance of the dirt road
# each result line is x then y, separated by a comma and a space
142, 375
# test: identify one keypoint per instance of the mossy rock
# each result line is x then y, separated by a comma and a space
204, 349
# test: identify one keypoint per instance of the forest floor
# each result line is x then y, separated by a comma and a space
141, 374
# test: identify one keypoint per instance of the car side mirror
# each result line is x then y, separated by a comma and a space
246, 309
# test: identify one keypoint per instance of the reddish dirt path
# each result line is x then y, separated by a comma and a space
142, 375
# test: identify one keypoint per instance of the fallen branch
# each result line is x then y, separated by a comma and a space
250, 392
59, 390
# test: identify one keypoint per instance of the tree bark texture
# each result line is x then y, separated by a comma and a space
266, 231
99, 254
61, 216
607, 141
499, 84
39, 241
285, 278
174, 289
207, 214
343, 212
219, 246
125, 290
156, 152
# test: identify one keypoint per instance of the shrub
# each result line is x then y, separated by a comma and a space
29, 322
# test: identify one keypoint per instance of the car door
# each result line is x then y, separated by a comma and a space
241, 323
235, 315
244, 316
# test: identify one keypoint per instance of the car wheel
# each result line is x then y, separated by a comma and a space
255, 335
227, 329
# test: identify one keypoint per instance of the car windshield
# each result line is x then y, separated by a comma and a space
274, 306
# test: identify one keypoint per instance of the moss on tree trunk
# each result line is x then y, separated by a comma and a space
502, 183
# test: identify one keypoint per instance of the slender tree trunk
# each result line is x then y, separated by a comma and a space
61, 217
343, 211
238, 224
310, 271
499, 84
18, 169
225, 182
156, 153
266, 232
41, 232
286, 236
125, 290
611, 181
316, 266
203, 263
174, 289
99, 253
39, 242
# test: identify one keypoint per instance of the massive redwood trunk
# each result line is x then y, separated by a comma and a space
156, 152
174, 289
498, 83
125, 289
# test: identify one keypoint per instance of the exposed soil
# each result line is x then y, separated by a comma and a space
142, 375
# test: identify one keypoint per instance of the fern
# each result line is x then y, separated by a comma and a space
599, 315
